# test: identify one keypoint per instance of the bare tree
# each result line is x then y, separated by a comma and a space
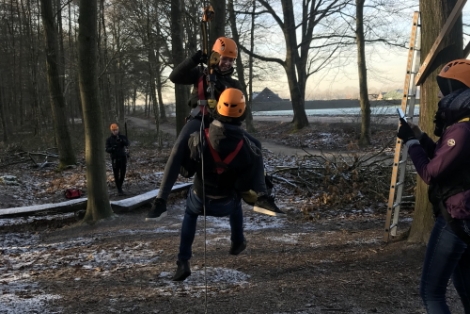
240, 69
177, 38
433, 14
297, 63
64, 143
362, 70
98, 205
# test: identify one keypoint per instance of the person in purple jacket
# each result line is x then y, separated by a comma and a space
445, 166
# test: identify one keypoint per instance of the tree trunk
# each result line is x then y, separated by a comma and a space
296, 85
364, 140
240, 69
177, 38
434, 14
98, 205
64, 143
217, 28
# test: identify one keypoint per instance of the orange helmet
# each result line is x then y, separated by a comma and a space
231, 103
114, 126
226, 47
454, 75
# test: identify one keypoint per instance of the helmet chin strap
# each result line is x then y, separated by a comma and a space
450, 86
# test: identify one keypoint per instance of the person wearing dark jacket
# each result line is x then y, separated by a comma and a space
223, 160
445, 166
116, 146
224, 53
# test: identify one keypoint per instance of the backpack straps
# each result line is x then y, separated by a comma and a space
220, 169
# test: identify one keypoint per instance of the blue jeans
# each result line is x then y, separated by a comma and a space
228, 206
447, 256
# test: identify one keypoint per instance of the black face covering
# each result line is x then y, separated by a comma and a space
439, 123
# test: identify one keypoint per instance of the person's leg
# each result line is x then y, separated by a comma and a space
258, 183
188, 228
188, 232
236, 224
180, 149
115, 165
443, 253
461, 275
122, 174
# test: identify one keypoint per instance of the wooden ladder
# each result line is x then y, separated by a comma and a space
401, 151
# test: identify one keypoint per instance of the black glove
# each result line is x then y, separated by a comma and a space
405, 133
199, 57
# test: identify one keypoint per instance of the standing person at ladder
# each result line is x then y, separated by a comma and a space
224, 53
223, 160
116, 146
445, 166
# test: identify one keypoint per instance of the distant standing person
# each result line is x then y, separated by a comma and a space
116, 146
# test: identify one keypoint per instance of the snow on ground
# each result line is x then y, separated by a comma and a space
24, 254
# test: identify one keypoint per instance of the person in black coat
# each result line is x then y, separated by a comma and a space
116, 147
189, 72
223, 160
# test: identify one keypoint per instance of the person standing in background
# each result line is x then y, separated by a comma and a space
116, 146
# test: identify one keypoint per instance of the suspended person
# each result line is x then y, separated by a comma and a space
116, 147
445, 166
224, 53
223, 159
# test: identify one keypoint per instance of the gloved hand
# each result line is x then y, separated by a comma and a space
250, 197
199, 57
416, 130
406, 134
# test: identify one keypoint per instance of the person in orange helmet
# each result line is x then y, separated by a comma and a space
223, 160
220, 66
116, 146
445, 165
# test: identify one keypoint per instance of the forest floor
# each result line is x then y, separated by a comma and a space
326, 256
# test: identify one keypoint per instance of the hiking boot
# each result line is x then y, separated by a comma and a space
236, 249
183, 271
158, 210
265, 205
121, 192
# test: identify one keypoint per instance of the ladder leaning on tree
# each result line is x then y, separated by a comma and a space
401, 152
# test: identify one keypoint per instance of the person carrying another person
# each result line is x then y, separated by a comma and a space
223, 160
445, 166
116, 147
224, 53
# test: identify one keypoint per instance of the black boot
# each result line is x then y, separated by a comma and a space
183, 271
237, 248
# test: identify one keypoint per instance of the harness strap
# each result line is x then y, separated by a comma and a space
216, 156
201, 95
200, 88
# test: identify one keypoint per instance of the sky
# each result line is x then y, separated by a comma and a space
386, 71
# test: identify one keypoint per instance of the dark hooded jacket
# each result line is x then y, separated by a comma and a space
445, 164
188, 73
116, 146
224, 139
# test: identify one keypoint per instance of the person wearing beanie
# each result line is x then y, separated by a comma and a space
192, 72
116, 147
223, 161
445, 166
